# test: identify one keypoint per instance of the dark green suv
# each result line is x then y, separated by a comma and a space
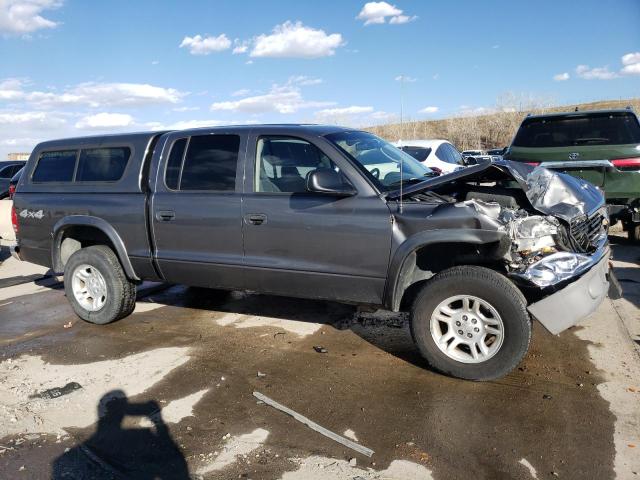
602, 147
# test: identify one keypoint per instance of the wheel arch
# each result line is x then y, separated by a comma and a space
424, 254
78, 231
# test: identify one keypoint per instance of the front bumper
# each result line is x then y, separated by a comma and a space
576, 301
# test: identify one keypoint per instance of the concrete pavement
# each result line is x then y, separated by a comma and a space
184, 367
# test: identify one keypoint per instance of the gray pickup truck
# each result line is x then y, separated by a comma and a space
320, 212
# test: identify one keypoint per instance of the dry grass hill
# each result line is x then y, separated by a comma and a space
491, 130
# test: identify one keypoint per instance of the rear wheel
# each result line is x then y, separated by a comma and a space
471, 322
97, 287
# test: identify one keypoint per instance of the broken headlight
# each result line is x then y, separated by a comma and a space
556, 267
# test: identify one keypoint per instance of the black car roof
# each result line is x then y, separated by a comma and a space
580, 113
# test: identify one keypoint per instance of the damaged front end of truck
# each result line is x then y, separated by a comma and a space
544, 230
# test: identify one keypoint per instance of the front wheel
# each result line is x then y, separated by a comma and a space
97, 287
471, 322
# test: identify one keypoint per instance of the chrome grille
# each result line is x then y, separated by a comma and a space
586, 231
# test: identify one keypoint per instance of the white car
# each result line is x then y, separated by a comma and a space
438, 155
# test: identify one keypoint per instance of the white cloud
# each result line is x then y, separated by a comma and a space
185, 124
21, 130
284, 99
631, 62
596, 73
344, 111
380, 115
240, 46
279, 99
185, 109
105, 120
243, 92
561, 77
405, 78
400, 19
107, 94
373, 13
304, 81
11, 89
200, 45
295, 40
36, 119
429, 110
495, 47
24, 16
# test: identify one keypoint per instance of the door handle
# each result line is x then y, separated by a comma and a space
165, 215
256, 218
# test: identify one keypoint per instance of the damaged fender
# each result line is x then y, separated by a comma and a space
557, 244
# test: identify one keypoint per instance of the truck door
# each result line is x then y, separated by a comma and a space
195, 208
311, 244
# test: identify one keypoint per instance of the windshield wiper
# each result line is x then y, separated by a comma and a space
408, 181
411, 181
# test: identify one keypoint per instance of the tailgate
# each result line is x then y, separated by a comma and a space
588, 162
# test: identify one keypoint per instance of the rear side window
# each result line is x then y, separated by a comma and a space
55, 166
172, 175
102, 164
617, 128
210, 163
6, 171
453, 154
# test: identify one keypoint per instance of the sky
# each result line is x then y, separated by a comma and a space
82, 67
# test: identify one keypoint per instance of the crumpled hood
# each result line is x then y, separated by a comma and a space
549, 192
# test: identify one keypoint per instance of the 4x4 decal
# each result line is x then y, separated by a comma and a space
32, 214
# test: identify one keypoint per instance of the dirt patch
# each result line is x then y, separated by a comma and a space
371, 381
22, 412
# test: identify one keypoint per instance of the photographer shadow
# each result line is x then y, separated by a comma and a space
116, 452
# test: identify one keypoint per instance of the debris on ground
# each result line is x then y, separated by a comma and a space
350, 434
546, 396
353, 462
260, 374
320, 349
68, 325
57, 391
314, 426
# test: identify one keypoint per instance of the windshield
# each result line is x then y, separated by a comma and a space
380, 160
616, 128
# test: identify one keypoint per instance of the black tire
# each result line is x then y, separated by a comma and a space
491, 287
120, 291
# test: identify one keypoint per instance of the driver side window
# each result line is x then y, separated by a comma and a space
284, 163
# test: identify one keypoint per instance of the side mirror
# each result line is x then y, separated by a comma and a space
329, 182
469, 161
